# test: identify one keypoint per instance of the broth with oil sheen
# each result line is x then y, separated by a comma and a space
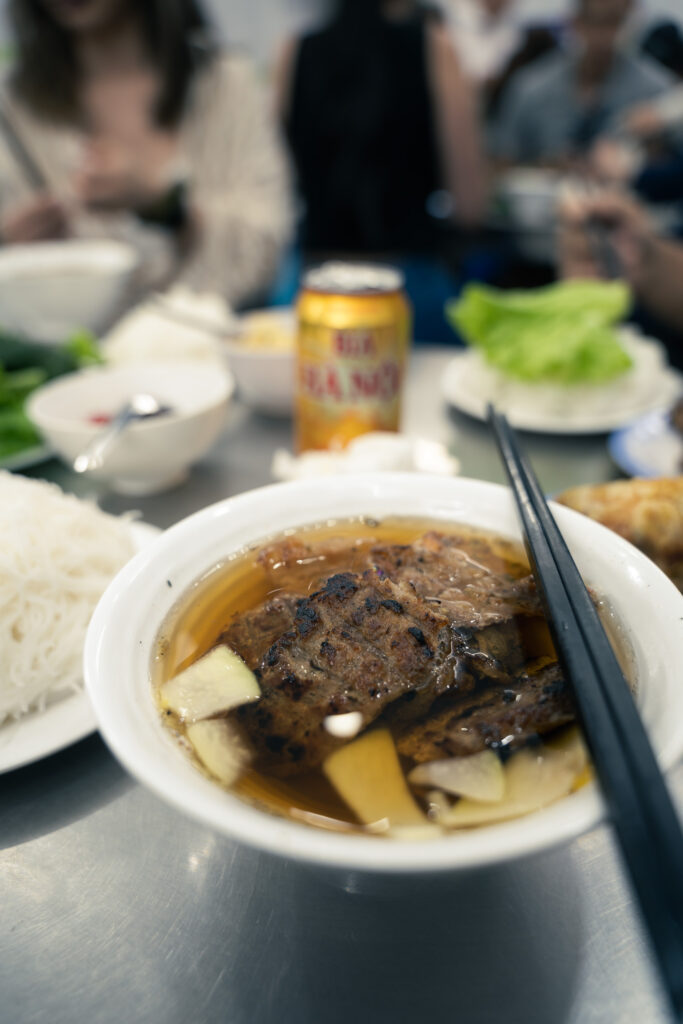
242, 583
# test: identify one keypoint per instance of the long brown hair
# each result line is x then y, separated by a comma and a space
46, 74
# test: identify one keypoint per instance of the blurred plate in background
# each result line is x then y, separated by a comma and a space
649, 447
469, 384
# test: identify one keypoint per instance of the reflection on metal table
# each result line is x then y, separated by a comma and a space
117, 908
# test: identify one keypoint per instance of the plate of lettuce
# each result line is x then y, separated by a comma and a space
556, 359
24, 366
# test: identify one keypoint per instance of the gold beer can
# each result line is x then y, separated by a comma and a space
354, 324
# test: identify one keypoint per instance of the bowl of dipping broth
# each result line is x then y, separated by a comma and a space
261, 356
149, 455
49, 290
314, 669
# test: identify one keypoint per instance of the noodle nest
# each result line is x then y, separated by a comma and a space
57, 556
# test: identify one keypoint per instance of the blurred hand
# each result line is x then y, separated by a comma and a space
642, 121
113, 176
39, 219
613, 162
629, 230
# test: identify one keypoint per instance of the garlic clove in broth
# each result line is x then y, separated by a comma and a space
344, 726
480, 776
416, 833
533, 779
219, 747
367, 774
571, 742
214, 685
438, 804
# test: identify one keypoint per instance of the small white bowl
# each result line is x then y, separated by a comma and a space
150, 455
48, 290
531, 195
123, 634
264, 373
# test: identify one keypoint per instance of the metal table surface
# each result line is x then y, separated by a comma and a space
116, 908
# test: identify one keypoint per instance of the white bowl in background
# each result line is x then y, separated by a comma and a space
48, 290
150, 455
531, 194
123, 634
262, 358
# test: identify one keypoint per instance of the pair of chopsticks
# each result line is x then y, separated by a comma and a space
641, 810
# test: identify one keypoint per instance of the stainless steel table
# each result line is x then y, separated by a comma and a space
114, 908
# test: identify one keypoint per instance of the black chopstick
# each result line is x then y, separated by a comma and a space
21, 153
641, 810
604, 250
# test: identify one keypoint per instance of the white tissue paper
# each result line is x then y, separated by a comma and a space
379, 450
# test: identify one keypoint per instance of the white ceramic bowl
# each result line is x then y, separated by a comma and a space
150, 455
48, 290
264, 374
121, 641
531, 195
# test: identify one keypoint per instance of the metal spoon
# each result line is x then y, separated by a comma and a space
139, 407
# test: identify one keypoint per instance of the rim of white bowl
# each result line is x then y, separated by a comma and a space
137, 601
216, 374
234, 347
102, 253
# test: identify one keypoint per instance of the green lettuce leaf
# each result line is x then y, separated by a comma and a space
564, 333
24, 366
17, 433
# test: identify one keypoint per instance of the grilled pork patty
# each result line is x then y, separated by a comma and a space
423, 625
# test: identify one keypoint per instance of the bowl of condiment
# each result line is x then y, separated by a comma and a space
261, 355
355, 672
151, 454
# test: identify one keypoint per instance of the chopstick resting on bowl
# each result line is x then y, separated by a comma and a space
20, 151
641, 809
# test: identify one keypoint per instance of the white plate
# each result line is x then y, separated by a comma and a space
469, 385
650, 447
26, 458
64, 721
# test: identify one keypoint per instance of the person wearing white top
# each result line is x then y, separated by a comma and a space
140, 129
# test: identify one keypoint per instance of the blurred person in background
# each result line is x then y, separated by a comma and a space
383, 126
554, 111
493, 42
650, 263
143, 131
663, 41
646, 152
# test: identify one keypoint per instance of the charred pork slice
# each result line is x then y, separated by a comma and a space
353, 646
365, 644
452, 576
499, 717
422, 621
251, 634
313, 562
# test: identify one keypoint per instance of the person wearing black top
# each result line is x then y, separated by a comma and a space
381, 126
